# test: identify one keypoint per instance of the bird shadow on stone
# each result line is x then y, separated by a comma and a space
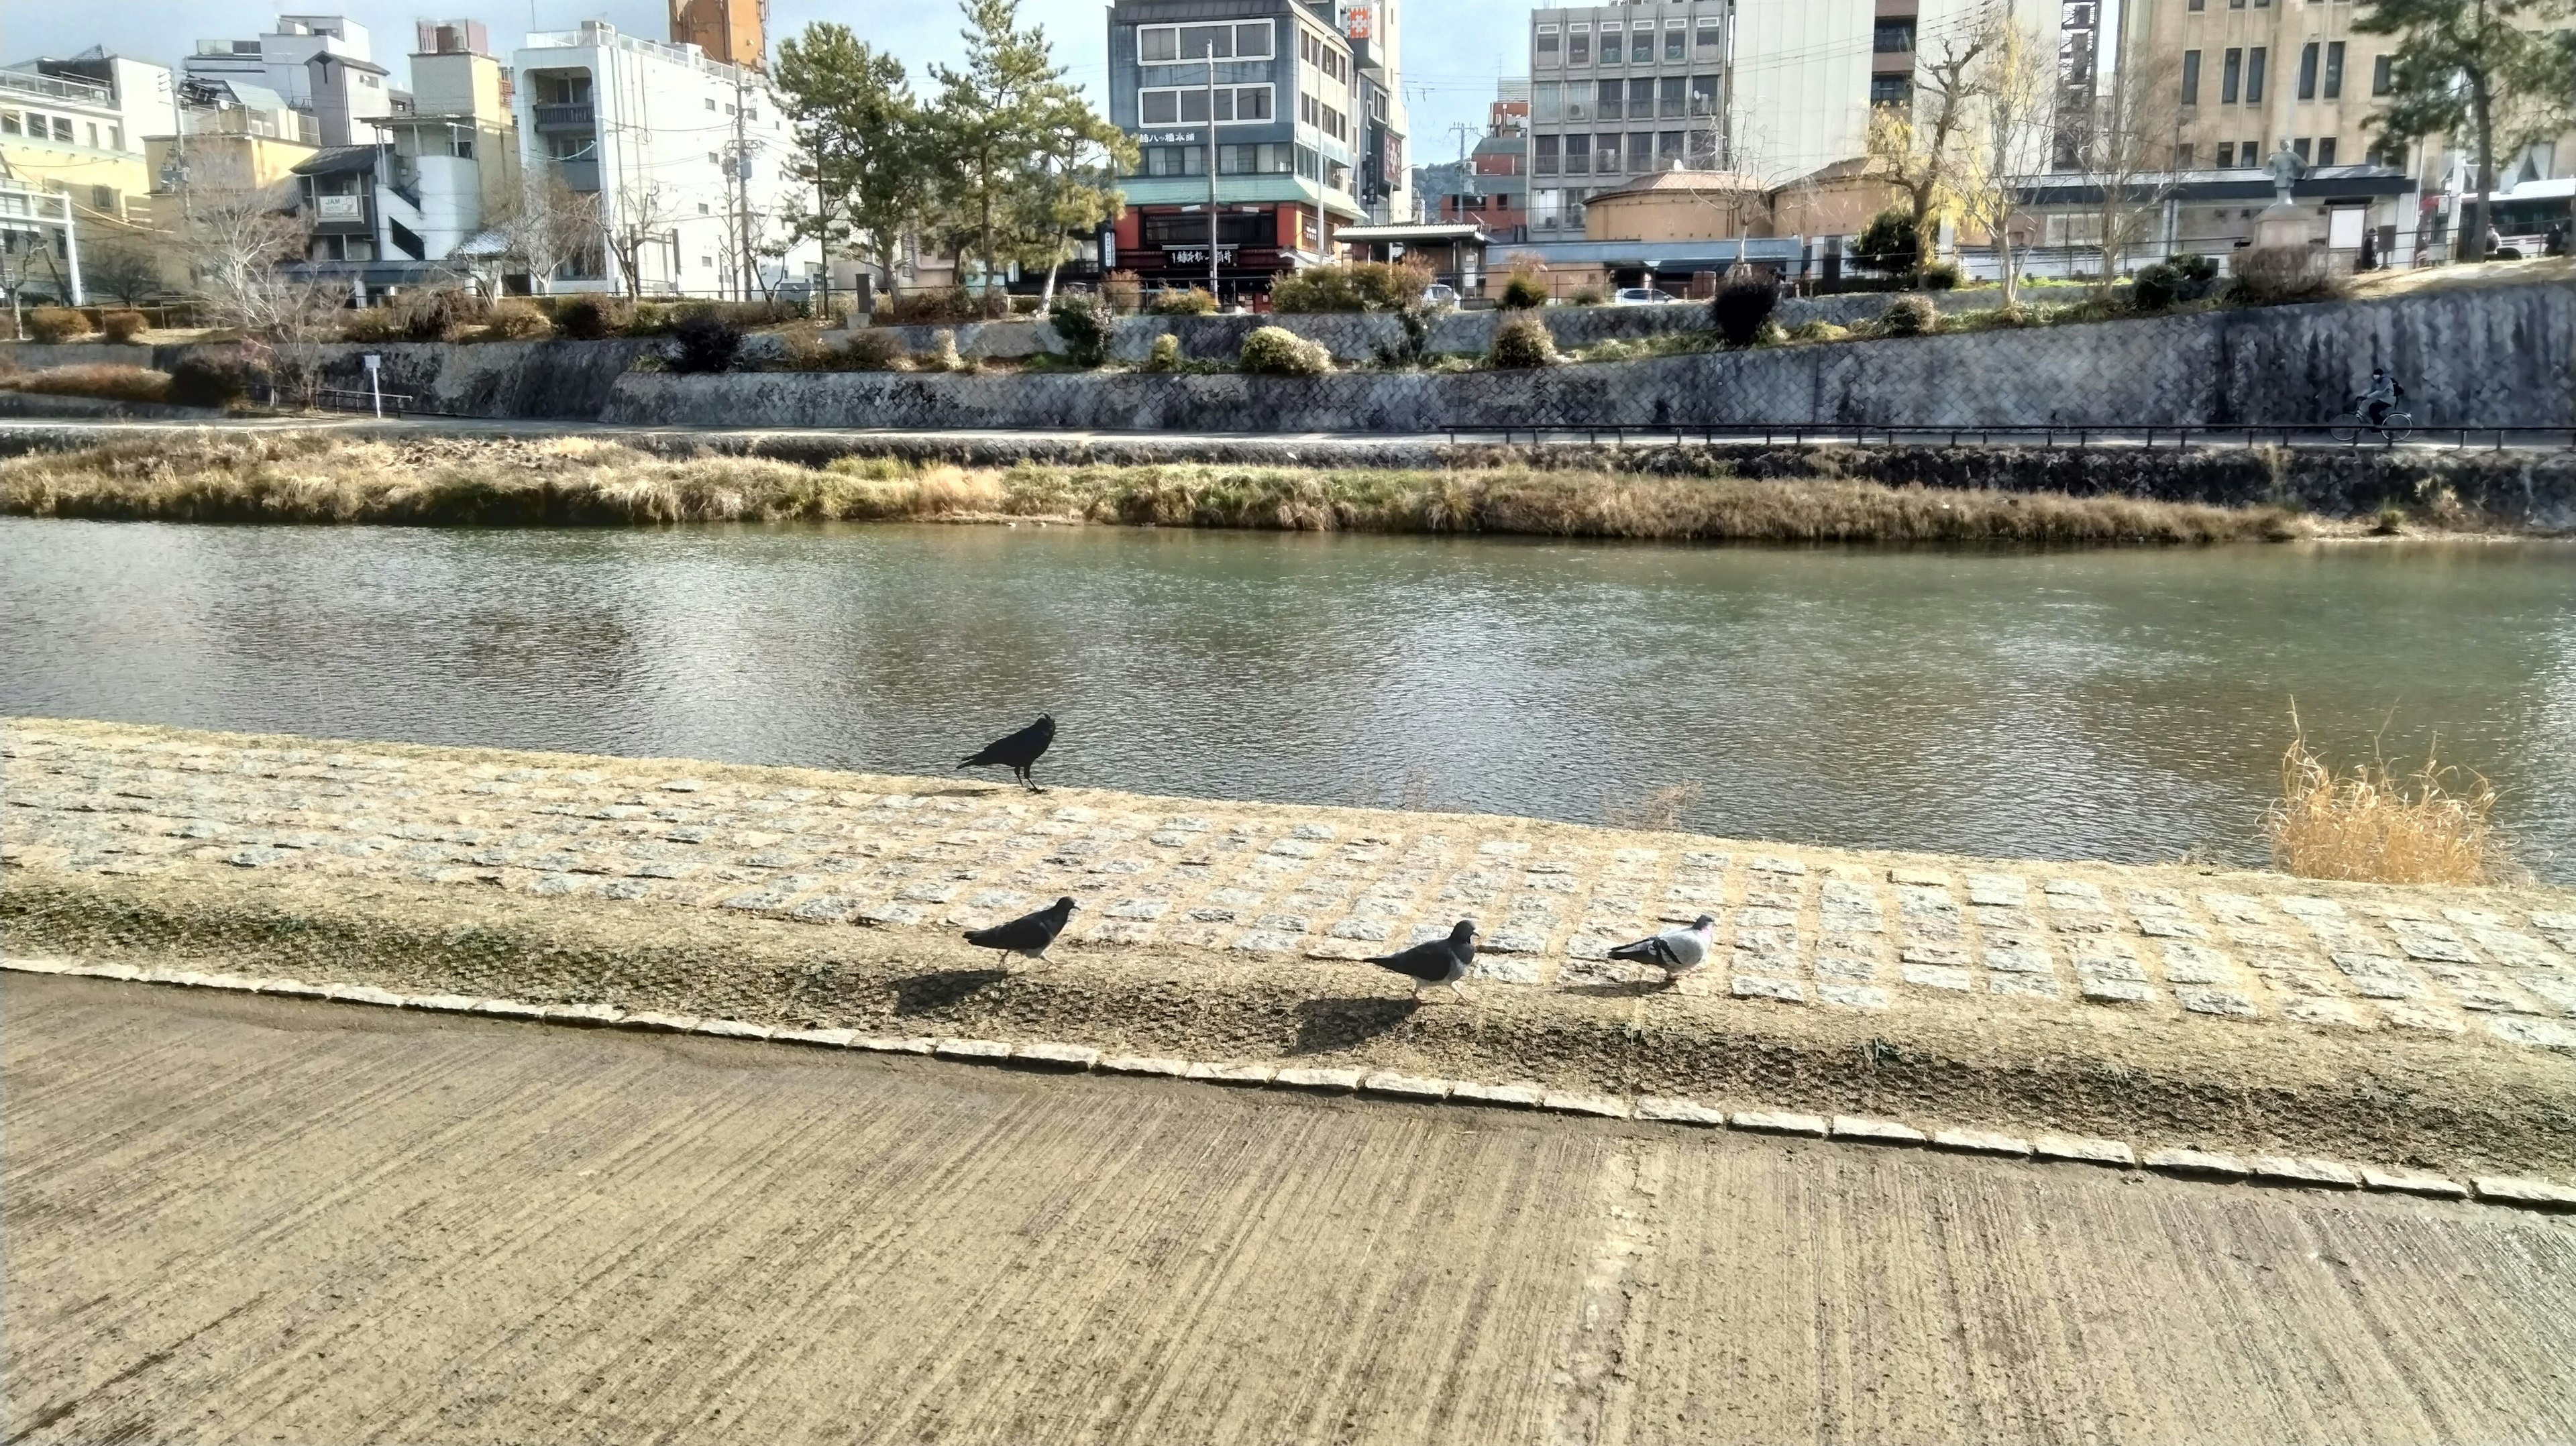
1617, 989
1325, 1025
929, 993
967, 790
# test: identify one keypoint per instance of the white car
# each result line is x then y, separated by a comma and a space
1437, 294
1644, 296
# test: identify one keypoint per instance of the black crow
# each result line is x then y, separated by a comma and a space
1028, 934
1436, 961
1675, 951
1018, 751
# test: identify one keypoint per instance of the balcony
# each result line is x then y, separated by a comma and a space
567, 116
579, 175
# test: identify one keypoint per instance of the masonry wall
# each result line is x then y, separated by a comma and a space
2473, 356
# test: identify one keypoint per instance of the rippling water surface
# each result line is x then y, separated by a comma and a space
2128, 705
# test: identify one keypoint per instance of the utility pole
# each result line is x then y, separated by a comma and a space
740, 182
1213, 232
1467, 186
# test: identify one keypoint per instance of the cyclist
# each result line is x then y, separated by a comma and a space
2383, 394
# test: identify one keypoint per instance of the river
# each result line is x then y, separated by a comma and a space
2129, 705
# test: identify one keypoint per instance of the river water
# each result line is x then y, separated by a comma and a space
2128, 705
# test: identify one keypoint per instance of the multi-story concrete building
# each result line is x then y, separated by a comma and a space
687, 159
1373, 28
1616, 91
76, 127
323, 64
1252, 109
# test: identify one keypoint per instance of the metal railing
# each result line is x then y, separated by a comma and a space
1802, 434
358, 399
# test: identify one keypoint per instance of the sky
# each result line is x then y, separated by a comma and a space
1447, 81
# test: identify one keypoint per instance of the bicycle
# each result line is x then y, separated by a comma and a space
2394, 426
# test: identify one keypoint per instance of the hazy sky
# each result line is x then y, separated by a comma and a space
1447, 79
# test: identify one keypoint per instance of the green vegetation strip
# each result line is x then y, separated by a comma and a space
575, 481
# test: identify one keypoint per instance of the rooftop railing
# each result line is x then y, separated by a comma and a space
53, 87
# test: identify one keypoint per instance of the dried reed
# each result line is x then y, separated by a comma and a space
1660, 811
2376, 825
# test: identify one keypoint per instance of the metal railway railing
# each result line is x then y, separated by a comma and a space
2022, 434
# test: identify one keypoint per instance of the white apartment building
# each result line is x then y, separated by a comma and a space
76, 127
685, 154
323, 65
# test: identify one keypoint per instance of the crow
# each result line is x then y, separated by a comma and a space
1675, 951
1028, 934
1436, 961
1018, 751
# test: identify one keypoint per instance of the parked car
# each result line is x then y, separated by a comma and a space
1644, 296
1437, 294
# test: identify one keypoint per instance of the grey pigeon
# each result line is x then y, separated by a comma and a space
1028, 934
1436, 961
1675, 951
1018, 751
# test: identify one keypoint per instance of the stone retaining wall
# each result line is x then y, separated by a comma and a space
2482, 356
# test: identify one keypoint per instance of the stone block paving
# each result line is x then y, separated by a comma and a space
1798, 928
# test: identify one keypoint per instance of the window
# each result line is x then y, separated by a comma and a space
1704, 41
1578, 100
1641, 150
1641, 98
1544, 158
1611, 91
1235, 105
1549, 49
2379, 77
1163, 43
1890, 89
63, 129
711, 104
2299, 148
1668, 151
1578, 155
2183, 157
1641, 47
1669, 102
2308, 58
1675, 37
1337, 177
1309, 164
571, 147
1605, 155
705, 210
1174, 161
1270, 158
2254, 75
2199, 4
1703, 95
1892, 37
2393, 157
2191, 77
2230, 76
1578, 50
2225, 158
93, 135
1547, 106
2325, 150
2334, 70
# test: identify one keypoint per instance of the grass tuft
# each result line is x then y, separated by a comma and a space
105, 381
2375, 825
1660, 811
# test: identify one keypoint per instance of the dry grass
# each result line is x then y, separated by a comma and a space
104, 381
307, 477
1660, 811
2379, 826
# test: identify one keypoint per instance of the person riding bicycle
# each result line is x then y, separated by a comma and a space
2383, 394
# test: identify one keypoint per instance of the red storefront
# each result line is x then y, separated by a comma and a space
1168, 245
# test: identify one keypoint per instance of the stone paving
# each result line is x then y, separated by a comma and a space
1799, 928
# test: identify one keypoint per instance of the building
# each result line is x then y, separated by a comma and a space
1489, 185
231, 139
726, 30
686, 159
1254, 108
1619, 91
387, 215
324, 65
76, 128
1385, 180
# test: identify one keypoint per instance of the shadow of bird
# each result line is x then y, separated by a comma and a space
1017, 752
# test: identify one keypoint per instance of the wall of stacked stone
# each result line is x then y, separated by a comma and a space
2482, 356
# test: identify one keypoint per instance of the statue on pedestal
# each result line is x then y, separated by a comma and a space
2287, 170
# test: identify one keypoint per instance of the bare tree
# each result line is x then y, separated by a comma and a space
643, 220
123, 271
235, 243
547, 225
1925, 142
2123, 145
2014, 83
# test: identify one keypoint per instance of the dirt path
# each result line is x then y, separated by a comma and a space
251, 1219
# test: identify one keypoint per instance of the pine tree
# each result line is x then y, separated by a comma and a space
865, 144
994, 122
2483, 68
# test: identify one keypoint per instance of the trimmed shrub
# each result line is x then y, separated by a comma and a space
213, 381
708, 343
2192, 266
1355, 286
373, 324
1743, 304
1818, 331
55, 324
1192, 301
582, 318
1123, 291
1522, 341
1887, 244
1084, 324
1941, 276
652, 318
1524, 290
1589, 296
2156, 287
123, 326
1910, 315
1164, 355
439, 315
872, 351
921, 308
2271, 275
518, 321
1275, 351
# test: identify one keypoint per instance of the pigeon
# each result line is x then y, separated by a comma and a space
1675, 951
1028, 934
1018, 751
1438, 961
